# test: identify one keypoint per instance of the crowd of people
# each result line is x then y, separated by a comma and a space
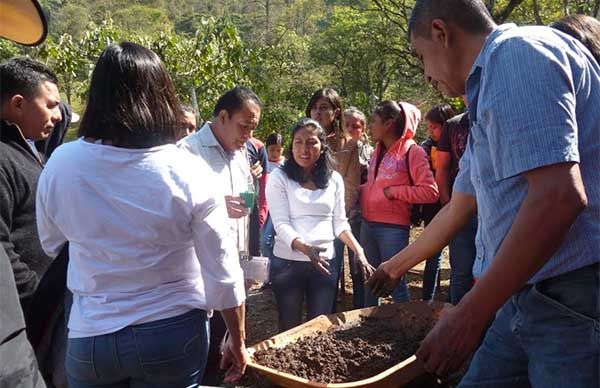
125, 244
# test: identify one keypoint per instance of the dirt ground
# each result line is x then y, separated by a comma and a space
261, 313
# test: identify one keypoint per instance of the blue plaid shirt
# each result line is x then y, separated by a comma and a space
534, 100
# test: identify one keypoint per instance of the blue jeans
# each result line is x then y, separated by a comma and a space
430, 276
169, 352
358, 294
267, 237
546, 335
358, 285
380, 242
462, 257
292, 282
338, 263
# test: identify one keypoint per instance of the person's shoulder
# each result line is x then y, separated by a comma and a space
66, 151
197, 140
278, 174
427, 143
336, 178
458, 121
256, 142
180, 157
521, 43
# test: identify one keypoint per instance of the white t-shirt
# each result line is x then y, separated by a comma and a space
148, 239
316, 217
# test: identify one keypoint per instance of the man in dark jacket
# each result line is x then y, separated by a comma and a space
29, 102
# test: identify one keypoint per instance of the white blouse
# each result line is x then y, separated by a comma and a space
149, 238
316, 217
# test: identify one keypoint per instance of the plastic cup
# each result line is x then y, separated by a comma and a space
248, 197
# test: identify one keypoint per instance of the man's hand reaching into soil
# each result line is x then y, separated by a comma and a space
452, 340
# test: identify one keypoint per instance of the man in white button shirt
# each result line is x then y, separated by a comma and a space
221, 143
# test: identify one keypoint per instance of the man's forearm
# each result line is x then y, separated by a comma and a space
444, 226
235, 321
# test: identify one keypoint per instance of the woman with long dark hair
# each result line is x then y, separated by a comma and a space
325, 107
399, 176
306, 201
150, 255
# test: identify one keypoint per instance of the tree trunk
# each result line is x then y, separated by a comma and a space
502, 15
68, 89
195, 103
536, 13
267, 9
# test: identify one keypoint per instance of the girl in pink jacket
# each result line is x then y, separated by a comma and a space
399, 176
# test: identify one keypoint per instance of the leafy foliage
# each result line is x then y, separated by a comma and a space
283, 49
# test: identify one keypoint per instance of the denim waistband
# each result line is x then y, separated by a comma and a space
383, 224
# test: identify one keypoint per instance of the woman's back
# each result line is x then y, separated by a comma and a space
128, 218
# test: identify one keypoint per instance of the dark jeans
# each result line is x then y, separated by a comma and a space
546, 335
380, 243
217, 332
432, 265
462, 257
358, 285
338, 262
267, 237
430, 276
296, 281
165, 353
254, 233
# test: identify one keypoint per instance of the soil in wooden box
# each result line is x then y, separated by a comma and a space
350, 352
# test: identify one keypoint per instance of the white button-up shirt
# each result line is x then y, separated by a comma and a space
232, 169
148, 240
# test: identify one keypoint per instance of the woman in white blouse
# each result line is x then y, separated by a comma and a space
306, 201
150, 252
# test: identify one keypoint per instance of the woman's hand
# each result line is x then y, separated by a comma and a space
318, 261
387, 193
365, 268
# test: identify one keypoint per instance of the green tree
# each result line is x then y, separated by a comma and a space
212, 60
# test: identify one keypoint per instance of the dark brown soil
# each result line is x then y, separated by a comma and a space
349, 353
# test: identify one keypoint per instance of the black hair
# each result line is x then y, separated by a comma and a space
470, 15
585, 29
391, 110
321, 174
132, 101
440, 113
23, 76
274, 139
334, 100
233, 100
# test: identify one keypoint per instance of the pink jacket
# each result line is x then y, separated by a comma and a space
392, 173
